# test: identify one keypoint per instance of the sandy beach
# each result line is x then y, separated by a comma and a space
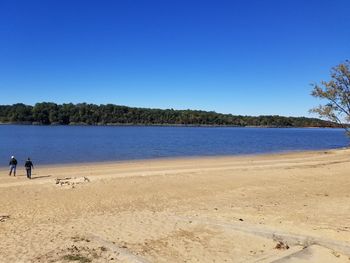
292, 207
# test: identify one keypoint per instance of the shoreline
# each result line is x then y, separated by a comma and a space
168, 125
182, 158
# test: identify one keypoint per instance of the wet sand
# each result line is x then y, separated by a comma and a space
292, 207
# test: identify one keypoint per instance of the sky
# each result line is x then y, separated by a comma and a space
247, 57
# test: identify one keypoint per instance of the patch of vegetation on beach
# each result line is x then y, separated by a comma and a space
77, 253
76, 257
79, 238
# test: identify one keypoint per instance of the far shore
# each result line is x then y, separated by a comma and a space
288, 207
165, 125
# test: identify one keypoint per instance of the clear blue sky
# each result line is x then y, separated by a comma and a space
247, 57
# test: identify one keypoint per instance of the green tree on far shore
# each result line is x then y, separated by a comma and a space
49, 113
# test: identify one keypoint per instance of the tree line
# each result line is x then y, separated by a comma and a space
48, 113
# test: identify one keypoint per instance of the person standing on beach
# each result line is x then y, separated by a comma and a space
13, 165
29, 165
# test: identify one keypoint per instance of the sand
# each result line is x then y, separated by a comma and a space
292, 207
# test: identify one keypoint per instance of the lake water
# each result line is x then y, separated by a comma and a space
75, 144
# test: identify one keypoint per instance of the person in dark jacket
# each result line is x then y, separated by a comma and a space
29, 165
13, 165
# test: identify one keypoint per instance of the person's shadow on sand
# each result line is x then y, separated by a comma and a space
38, 177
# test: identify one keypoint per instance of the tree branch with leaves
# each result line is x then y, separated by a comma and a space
336, 93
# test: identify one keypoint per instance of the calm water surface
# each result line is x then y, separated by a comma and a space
72, 144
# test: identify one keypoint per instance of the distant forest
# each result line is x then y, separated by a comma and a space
47, 113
